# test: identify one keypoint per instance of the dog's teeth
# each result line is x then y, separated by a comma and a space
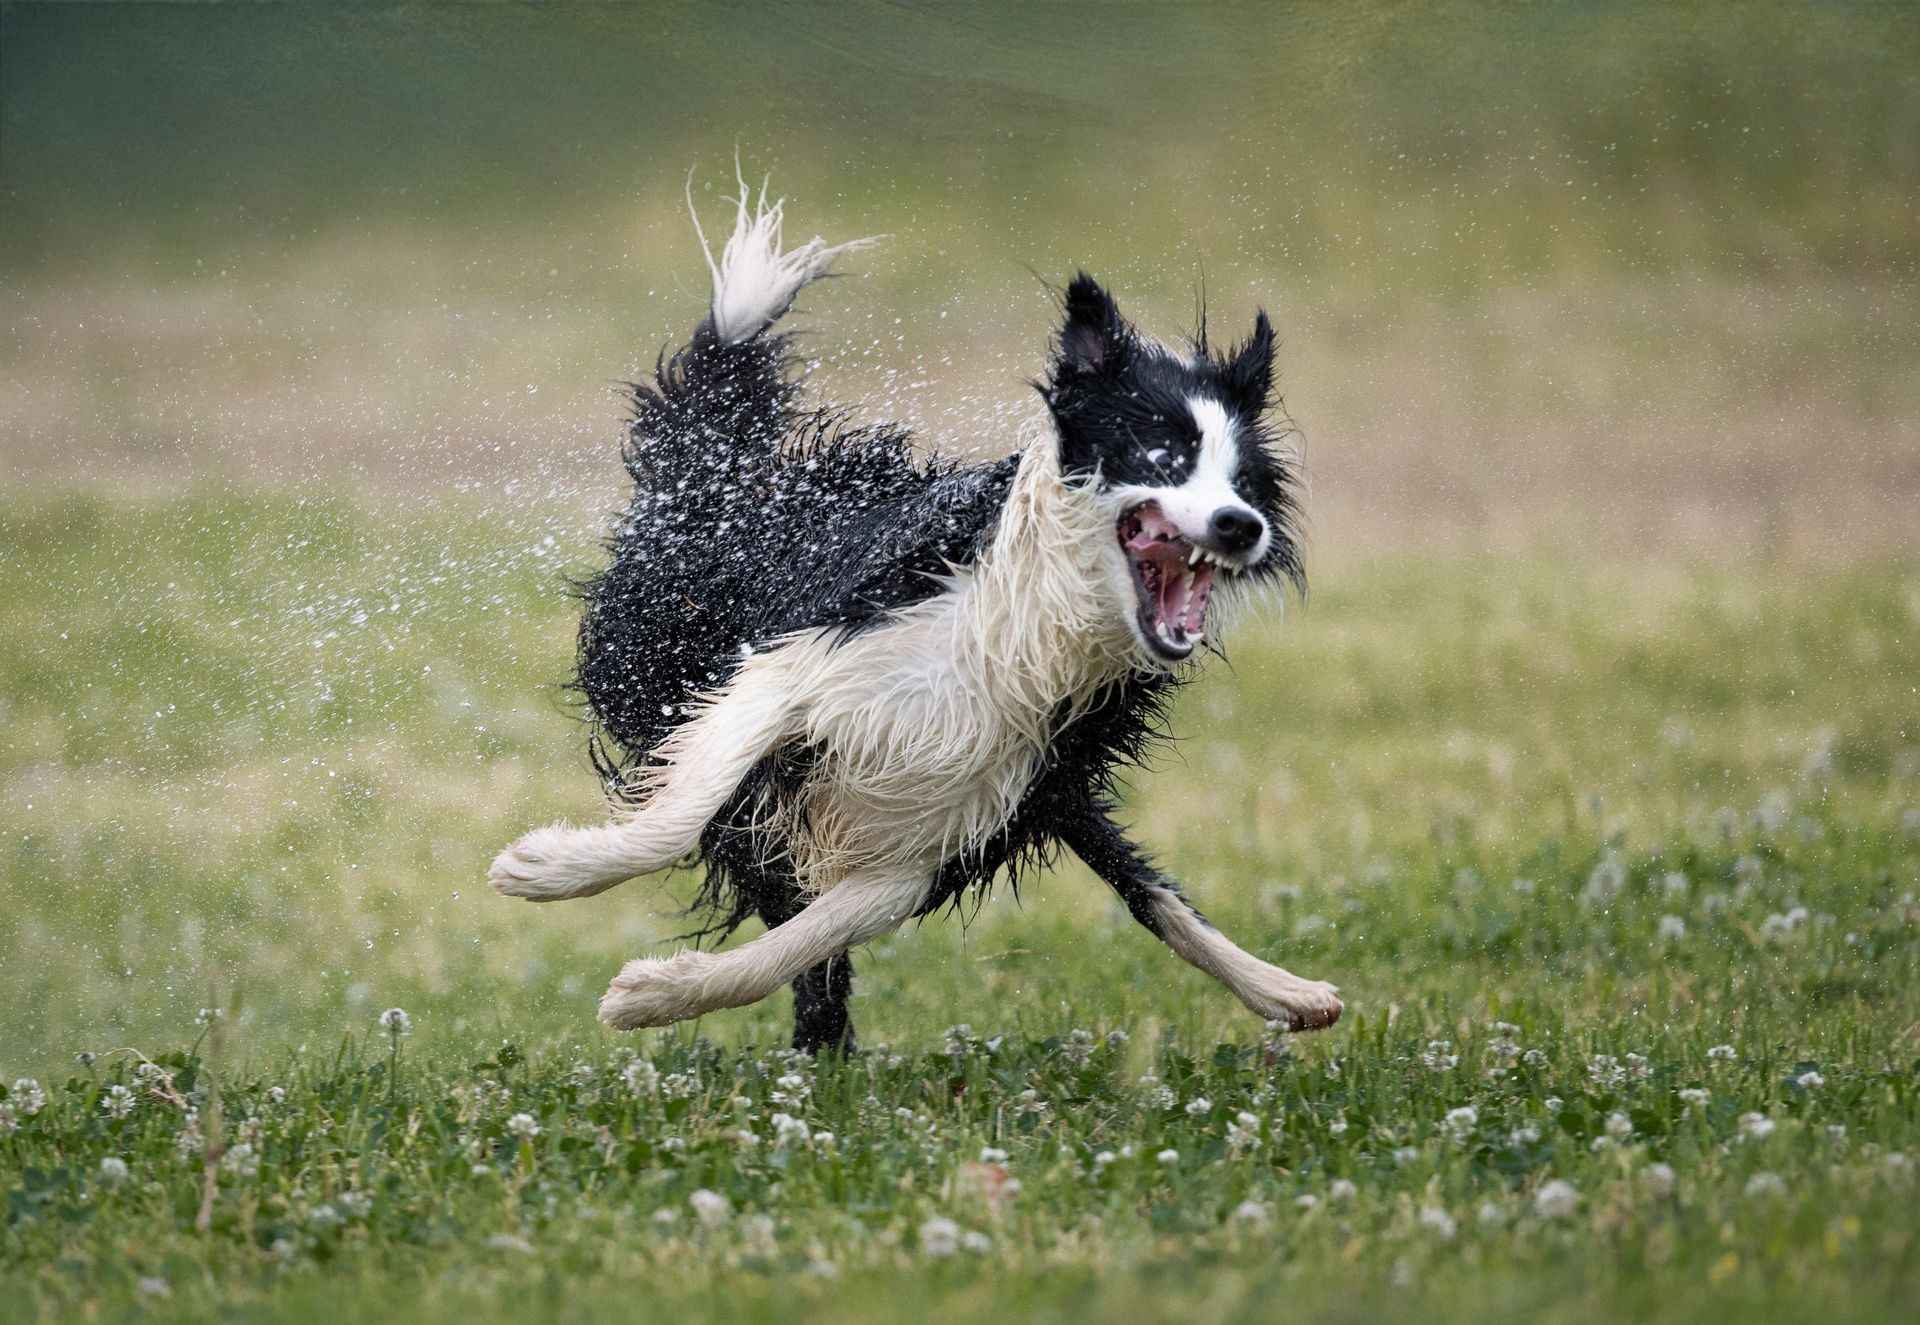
1194, 556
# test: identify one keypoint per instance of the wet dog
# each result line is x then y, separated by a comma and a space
858, 683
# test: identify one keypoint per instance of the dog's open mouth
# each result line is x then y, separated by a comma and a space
1171, 578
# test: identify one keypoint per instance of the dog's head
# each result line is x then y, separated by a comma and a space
1177, 448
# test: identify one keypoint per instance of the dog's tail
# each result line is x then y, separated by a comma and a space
731, 384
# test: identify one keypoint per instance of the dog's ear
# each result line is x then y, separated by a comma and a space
1249, 370
1096, 340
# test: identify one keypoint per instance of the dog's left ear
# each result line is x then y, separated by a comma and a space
1249, 369
1095, 340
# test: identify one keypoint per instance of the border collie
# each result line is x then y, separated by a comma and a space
857, 683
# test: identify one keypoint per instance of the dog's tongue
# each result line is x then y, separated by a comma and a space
1182, 599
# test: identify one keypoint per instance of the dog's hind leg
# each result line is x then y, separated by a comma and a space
658, 991
821, 992
705, 761
1156, 902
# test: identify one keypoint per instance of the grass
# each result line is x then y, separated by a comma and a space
1575, 836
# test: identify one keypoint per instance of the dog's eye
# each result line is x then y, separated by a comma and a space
1157, 457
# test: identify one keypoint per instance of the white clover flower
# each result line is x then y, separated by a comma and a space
758, 1232
1608, 877
118, 1102
1756, 1126
1439, 1056
207, 1016
1837, 1133
510, 1242
1104, 1158
524, 1126
1198, 1106
1156, 1094
1810, 1081
1434, 1218
113, 1170
582, 1074
1117, 1039
395, 1022
1720, 1053
1767, 1185
1243, 1133
1605, 1071
26, 1097
822, 1269
1553, 1104
1460, 1122
152, 1285
1897, 1164
1491, 1214
1672, 928
1557, 1199
939, 1236
788, 1130
1306, 1201
241, 1160
1694, 1098
1250, 1212
1078, 1048
1342, 1189
357, 1203
1658, 1179
1336, 1127
792, 1089
1405, 1155
1168, 1156
9, 1118
1619, 1125
992, 1155
641, 1077
710, 1207
1674, 884
976, 1242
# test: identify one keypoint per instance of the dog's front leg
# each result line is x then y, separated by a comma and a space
704, 762
1156, 902
657, 991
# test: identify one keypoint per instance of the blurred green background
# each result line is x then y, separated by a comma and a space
1598, 274
1599, 327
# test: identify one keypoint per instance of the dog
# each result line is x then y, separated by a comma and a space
858, 683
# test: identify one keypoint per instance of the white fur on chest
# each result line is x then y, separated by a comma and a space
927, 730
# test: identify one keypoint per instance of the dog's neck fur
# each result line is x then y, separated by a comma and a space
1036, 622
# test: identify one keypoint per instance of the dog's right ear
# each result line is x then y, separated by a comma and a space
1096, 340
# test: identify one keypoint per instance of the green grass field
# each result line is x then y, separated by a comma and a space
1577, 839
1591, 773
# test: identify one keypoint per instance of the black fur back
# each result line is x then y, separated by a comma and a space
752, 519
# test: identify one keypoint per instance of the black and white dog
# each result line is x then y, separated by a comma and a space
857, 683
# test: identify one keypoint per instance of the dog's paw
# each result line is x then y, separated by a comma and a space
1299, 1005
655, 991
540, 868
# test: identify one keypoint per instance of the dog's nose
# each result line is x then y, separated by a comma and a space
1234, 529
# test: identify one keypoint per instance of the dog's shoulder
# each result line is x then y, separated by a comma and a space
889, 549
